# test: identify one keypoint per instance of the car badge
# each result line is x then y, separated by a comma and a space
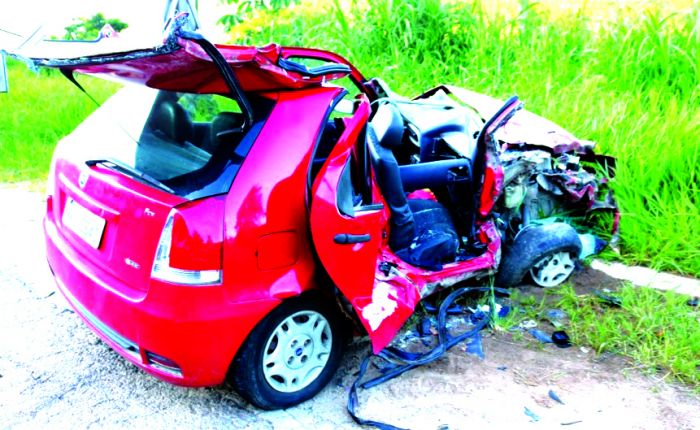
131, 263
83, 178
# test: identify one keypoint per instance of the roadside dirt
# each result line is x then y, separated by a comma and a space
54, 373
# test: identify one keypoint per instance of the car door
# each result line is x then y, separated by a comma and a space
349, 227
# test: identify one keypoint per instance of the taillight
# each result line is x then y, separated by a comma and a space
189, 250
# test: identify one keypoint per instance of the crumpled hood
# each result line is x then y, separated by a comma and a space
524, 128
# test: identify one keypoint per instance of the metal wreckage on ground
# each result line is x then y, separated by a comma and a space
234, 214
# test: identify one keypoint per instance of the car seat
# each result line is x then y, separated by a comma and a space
422, 231
171, 122
223, 125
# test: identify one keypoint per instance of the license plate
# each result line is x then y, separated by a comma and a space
85, 224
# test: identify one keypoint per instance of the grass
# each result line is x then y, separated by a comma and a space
659, 331
40, 109
626, 75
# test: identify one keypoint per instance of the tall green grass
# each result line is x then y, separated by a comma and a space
658, 330
38, 111
629, 80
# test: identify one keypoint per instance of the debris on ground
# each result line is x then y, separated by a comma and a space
395, 361
533, 416
608, 298
527, 324
474, 346
555, 397
540, 335
561, 339
556, 317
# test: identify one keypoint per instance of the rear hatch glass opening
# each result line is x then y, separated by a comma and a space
188, 144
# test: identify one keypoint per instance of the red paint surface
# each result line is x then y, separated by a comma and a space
258, 233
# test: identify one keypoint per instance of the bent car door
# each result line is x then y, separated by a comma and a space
348, 226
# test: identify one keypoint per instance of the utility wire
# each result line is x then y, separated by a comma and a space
10, 32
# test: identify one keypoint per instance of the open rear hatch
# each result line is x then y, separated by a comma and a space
184, 60
112, 207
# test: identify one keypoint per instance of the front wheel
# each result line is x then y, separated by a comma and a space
548, 252
291, 354
552, 269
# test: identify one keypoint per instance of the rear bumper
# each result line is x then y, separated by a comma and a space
195, 329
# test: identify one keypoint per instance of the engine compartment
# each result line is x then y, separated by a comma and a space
543, 182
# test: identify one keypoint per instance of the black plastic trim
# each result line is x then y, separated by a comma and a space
350, 239
226, 72
326, 69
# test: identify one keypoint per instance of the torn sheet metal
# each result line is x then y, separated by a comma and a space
547, 170
177, 63
525, 127
383, 304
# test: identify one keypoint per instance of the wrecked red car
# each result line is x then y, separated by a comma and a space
233, 213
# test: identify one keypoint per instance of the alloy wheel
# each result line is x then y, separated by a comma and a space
551, 270
297, 351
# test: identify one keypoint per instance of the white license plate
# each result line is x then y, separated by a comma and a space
85, 224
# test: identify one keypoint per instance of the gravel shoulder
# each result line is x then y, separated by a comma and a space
54, 373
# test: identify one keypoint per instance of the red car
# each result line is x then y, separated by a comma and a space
234, 213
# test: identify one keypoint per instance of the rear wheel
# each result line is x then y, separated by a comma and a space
290, 356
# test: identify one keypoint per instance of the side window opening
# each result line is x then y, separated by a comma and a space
348, 195
204, 107
354, 187
332, 130
361, 173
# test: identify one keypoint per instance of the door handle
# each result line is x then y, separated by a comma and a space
347, 239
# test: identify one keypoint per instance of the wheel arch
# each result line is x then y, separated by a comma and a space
531, 244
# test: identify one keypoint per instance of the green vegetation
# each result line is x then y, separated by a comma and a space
624, 74
240, 10
89, 28
659, 331
628, 79
37, 112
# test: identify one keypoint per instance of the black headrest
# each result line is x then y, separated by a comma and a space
388, 125
172, 121
225, 121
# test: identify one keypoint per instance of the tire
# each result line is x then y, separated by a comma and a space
290, 355
536, 248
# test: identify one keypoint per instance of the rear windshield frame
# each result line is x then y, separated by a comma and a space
217, 175
121, 131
